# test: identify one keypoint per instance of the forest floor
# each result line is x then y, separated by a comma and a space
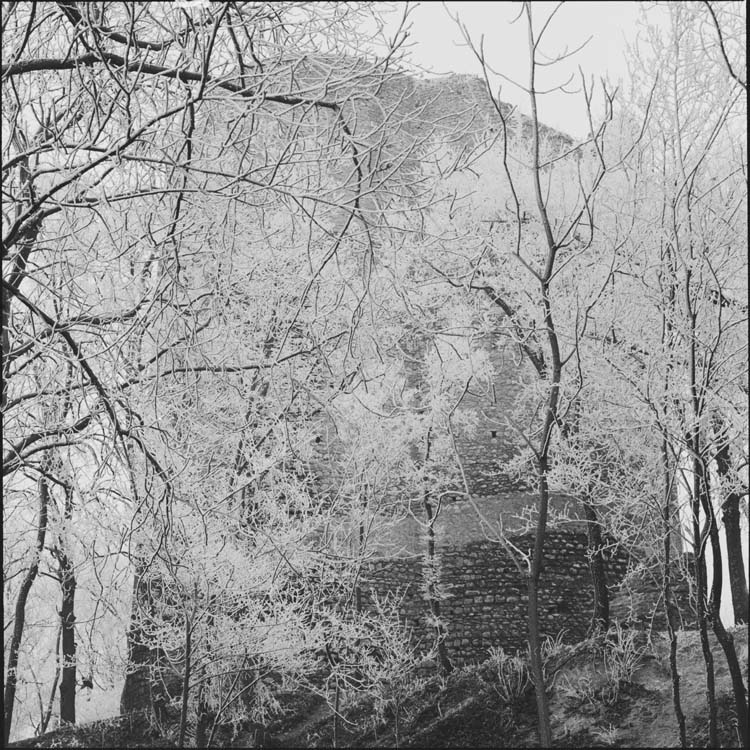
589, 705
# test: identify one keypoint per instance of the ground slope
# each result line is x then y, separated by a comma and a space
590, 707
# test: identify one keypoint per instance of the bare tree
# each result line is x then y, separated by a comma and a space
158, 161
697, 198
11, 680
536, 252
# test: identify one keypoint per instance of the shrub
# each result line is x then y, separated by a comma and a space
622, 656
512, 672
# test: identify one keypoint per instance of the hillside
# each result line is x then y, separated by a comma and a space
475, 707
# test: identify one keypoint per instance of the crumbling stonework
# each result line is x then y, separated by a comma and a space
485, 596
151, 681
486, 601
482, 586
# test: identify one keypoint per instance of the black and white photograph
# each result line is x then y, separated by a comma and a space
375, 374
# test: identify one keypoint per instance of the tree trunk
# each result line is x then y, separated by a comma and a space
11, 679
672, 614
336, 701
358, 588
550, 407
205, 716
26, 242
701, 587
67, 618
446, 666
535, 638
5, 343
698, 491
136, 692
598, 568
550, 420
185, 683
675, 672
670, 608
48, 713
733, 532
67, 623
725, 639
737, 579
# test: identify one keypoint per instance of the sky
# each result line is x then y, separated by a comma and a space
437, 45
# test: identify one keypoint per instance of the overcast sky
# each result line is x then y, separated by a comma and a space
437, 44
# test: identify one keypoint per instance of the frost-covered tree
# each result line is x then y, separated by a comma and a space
190, 199
687, 262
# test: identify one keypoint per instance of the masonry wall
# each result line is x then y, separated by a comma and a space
485, 599
485, 596
494, 405
151, 681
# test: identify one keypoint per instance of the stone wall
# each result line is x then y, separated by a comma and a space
484, 439
484, 594
494, 404
485, 600
152, 680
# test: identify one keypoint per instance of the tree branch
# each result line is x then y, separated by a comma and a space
722, 47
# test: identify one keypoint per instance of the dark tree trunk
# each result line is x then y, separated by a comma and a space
670, 494
675, 673
698, 495
731, 518
446, 666
11, 680
67, 622
205, 717
725, 638
53, 691
358, 588
535, 637
67, 618
26, 243
135, 691
598, 568
737, 579
185, 683
5, 342
336, 721
670, 608
542, 465
699, 546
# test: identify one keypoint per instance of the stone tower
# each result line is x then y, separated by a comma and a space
481, 587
